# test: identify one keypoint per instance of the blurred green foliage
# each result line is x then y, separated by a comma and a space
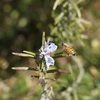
21, 25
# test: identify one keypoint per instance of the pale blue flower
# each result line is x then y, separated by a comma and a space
45, 52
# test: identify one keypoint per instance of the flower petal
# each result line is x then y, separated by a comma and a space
48, 48
52, 47
49, 60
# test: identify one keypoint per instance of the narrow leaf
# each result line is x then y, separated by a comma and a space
20, 68
56, 4
22, 54
59, 17
52, 71
64, 71
29, 52
24, 68
76, 8
43, 39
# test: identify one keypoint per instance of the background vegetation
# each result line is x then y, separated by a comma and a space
21, 25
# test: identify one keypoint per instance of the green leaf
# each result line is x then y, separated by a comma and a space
43, 39
56, 4
30, 53
23, 55
59, 17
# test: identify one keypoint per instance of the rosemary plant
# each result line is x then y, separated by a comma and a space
43, 60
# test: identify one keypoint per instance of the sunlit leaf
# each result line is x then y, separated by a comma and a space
43, 39
20, 68
59, 17
23, 55
56, 4
30, 53
24, 68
